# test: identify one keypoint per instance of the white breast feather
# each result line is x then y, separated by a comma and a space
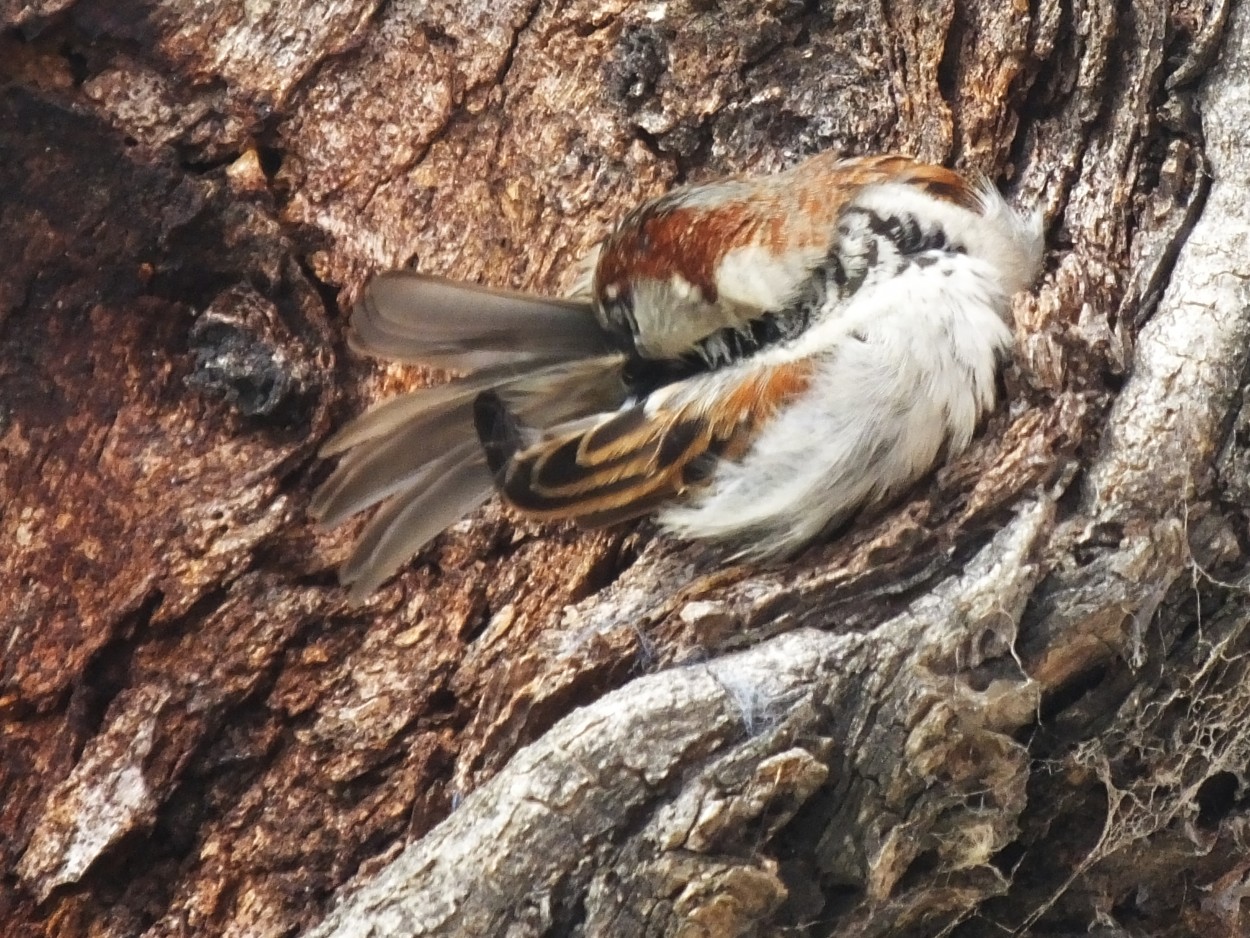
906, 365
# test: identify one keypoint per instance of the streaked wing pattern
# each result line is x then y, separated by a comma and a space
623, 464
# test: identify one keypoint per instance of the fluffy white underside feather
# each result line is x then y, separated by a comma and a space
875, 416
906, 366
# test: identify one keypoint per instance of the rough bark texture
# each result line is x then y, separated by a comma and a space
1017, 701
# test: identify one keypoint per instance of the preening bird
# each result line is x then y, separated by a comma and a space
751, 359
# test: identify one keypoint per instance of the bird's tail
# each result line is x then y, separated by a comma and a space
419, 453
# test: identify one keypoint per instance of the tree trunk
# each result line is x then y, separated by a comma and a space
1017, 701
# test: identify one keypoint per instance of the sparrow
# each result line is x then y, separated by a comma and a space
752, 360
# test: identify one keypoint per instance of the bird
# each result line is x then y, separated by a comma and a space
751, 360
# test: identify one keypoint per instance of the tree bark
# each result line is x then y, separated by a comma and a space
1016, 701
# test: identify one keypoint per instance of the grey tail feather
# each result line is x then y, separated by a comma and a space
420, 453
392, 446
412, 519
411, 317
400, 457
376, 471
393, 413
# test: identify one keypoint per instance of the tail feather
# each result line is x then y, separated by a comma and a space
416, 318
393, 414
413, 518
390, 446
421, 455
498, 430
382, 467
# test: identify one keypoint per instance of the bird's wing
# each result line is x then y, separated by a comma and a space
454, 484
397, 448
610, 467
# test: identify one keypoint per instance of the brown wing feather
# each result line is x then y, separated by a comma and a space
631, 461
